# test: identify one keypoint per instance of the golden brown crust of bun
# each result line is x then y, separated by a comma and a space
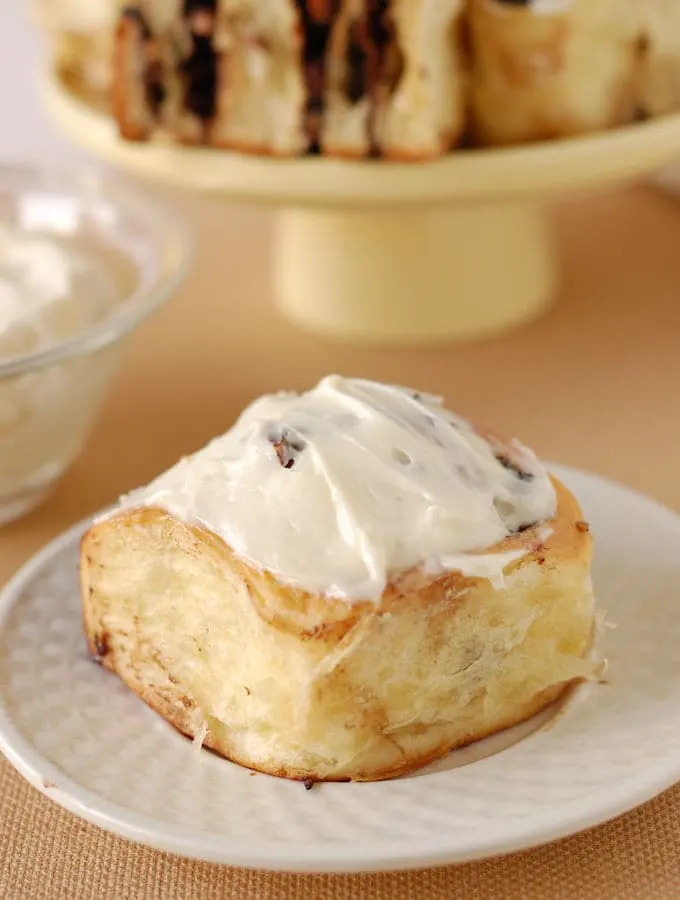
135, 121
306, 686
179, 716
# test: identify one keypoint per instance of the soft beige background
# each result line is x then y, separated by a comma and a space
595, 384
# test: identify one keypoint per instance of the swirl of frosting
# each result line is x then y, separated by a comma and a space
339, 489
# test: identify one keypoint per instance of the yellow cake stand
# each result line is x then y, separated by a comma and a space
395, 252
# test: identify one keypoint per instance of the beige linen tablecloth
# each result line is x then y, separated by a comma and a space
595, 384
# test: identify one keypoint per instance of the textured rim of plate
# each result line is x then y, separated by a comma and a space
376, 856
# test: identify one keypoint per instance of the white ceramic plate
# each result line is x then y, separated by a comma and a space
80, 737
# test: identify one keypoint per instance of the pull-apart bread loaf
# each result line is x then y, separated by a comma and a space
405, 80
348, 584
347, 78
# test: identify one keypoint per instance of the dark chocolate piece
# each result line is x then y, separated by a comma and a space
321, 11
511, 466
389, 60
315, 23
287, 446
135, 14
101, 646
526, 527
357, 78
200, 78
154, 87
189, 7
379, 27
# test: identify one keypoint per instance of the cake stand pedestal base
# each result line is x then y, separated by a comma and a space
396, 252
404, 274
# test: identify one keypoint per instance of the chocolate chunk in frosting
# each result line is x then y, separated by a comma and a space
287, 446
512, 466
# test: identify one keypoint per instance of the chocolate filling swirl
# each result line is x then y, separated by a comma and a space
199, 68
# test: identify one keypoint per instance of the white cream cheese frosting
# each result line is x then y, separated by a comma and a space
339, 489
34, 273
50, 289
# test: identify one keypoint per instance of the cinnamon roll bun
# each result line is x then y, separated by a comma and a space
545, 69
345, 586
659, 44
420, 102
148, 94
80, 40
259, 92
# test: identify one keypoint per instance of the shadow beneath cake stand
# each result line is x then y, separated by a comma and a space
397, 253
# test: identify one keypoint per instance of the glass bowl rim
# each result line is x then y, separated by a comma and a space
176, 239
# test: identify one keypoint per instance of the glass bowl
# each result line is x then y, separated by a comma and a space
126, 255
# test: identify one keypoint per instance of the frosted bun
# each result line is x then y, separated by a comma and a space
315, 684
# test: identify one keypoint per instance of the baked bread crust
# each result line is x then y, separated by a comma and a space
130, 103
80, 49
542, 77
310, 687
81, 62
403, 80
420, 113
659, 73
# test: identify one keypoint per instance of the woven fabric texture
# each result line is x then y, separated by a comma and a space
47, 854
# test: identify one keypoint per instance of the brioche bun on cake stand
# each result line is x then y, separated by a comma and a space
396, 252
